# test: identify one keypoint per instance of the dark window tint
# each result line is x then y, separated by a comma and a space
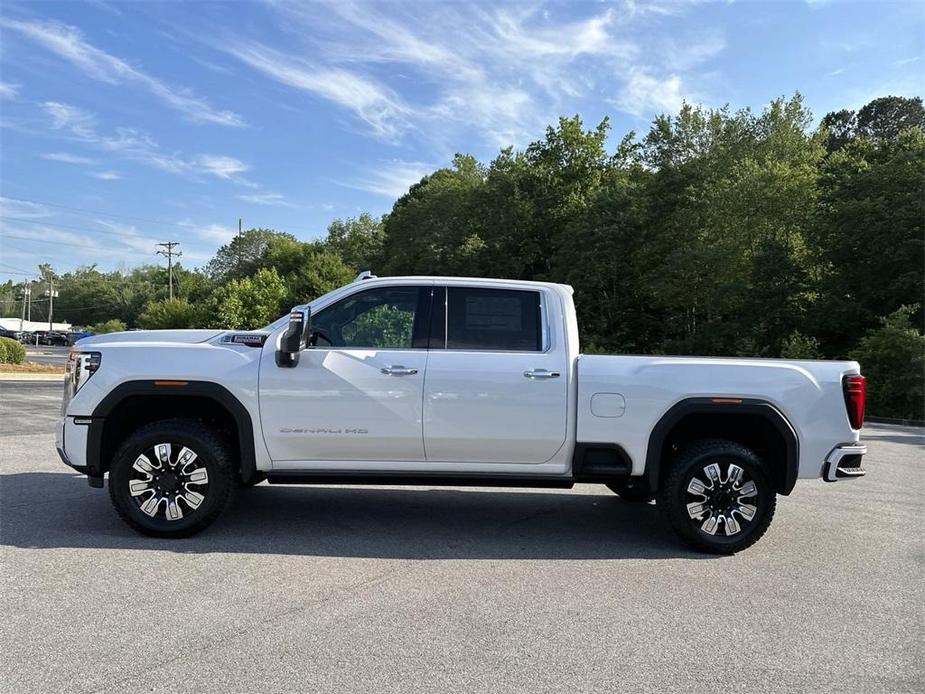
377, 318
495, 319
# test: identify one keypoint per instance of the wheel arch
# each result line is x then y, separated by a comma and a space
129, 405
751, 422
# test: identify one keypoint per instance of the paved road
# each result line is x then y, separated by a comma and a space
413, 589
44, 354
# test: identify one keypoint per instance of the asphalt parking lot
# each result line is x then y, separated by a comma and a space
340, 589
45, 354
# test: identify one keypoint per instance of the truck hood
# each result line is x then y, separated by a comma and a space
174, 336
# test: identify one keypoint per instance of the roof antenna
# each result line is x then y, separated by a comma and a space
365, 275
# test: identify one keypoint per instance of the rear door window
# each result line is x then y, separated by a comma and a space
504, 320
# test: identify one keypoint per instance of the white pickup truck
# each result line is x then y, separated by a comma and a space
449, 381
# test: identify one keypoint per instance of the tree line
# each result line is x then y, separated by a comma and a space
717, 232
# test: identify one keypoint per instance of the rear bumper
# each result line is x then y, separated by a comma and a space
844, 462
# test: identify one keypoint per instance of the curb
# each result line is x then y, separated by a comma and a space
34, 377
900, 422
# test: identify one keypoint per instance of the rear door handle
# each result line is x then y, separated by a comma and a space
540, 373
398, 370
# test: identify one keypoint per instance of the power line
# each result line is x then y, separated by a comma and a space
72, 227
4, 235
103, 214
178, 225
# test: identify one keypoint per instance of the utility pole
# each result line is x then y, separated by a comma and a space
240, 248
167, 250
51, 294
26, 297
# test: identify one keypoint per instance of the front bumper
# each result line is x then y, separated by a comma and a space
71, 441
844, 462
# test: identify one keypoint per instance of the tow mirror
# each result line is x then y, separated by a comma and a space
292, 341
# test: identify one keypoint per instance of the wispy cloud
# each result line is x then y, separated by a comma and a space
213, 233
106, 175
392, 178
506, 73
68, 42
907, 61
836, 72
380, 108
270, 199
137, 146
66, 158
13, 207
8, 90
644, 93
227, 168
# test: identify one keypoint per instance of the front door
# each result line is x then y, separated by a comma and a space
357, 394
496, 392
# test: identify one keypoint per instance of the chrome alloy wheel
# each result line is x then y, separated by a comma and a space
167, 485
725, 500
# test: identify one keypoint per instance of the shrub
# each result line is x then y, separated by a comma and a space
13, 352
3, 352
113, 325
892, 358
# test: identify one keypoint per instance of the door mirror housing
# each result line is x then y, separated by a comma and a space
292, 342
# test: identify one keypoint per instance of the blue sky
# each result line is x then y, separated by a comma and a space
125, 124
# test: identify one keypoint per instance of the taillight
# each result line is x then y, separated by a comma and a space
855, 392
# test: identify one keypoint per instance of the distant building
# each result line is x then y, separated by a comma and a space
30, 326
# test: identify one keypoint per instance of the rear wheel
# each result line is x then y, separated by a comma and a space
629, 491
718, 496
172, 478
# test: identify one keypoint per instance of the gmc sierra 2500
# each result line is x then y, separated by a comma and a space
449, 381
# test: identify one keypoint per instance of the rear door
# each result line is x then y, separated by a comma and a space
497, 384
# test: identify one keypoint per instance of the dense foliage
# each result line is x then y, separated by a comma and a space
716, 233
11, 351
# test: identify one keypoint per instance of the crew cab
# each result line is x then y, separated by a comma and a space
449, 381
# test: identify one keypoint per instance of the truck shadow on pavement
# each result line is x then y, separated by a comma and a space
54, 510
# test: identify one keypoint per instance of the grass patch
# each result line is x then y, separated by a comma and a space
31, 368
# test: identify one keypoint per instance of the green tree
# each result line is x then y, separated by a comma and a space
249, 302
885, 118
357, 241
868, 238
242, 255
170, 313
892, 357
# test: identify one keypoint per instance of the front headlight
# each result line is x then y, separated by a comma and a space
80, 367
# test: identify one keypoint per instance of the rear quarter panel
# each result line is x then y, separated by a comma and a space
808, 393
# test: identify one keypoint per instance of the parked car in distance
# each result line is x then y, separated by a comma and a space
52, 338
12, 334
450, 381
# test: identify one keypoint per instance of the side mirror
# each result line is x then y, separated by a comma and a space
293, 340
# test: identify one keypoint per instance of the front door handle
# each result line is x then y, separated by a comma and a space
541, 373
398, 370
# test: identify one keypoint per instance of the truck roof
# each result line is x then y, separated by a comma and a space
364, 277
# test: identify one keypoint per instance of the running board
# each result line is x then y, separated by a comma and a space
433, 479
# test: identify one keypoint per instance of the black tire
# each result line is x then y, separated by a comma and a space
212, 453
631, 492
721, 499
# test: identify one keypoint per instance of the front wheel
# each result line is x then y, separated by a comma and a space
718, 496
172, 478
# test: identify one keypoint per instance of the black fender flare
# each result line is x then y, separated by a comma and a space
174, 388
724, 405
